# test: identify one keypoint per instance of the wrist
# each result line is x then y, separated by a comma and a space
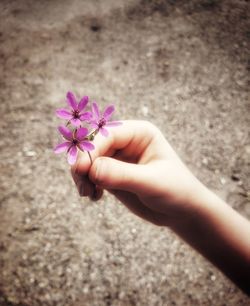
195, 207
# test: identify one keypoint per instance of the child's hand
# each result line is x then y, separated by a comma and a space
138, 166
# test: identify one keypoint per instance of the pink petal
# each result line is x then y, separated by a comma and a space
62, 147
113, 123
75, 121
104, 132
86, 116
67, 134
81, 133
63, 113
72, 155
71, 100
82, 104
108, 112
95, 110
94, 124
86, 146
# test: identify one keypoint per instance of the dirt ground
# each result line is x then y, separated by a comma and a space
182, 65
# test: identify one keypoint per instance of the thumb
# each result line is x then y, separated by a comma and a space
110, 173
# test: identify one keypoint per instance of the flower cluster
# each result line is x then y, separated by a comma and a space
78, 137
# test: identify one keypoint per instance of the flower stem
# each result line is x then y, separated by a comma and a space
92, 135
91, 160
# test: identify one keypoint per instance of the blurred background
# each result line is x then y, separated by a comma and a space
182, 65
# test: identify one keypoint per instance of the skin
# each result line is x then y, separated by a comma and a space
139, 167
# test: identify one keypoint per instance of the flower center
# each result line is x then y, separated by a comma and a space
75, 142
101, 123
75, 114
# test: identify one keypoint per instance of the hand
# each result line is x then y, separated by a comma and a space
137, 164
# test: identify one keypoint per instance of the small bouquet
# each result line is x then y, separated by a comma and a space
76, 131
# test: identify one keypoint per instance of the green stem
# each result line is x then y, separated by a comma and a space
91, 160
92, 135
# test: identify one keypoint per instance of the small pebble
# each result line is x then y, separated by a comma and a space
133, 231
223, 180
144, 110
30, 153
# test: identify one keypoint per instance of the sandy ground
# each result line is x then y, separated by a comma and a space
181, 65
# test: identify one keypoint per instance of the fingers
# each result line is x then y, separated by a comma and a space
98, 193
110, 173
131, 137
126, 142
87, 189
83, 185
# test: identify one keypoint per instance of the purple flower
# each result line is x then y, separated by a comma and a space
75, 115
100, 121
75, 139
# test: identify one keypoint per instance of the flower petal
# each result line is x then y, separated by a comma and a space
75, 121
86, 146
82, 104
94, 124
72, 155
67, 134
108, 112
62, 147
81, 133
113, 123
71, 100
63, 113
86, 116
104, 132
95, 110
